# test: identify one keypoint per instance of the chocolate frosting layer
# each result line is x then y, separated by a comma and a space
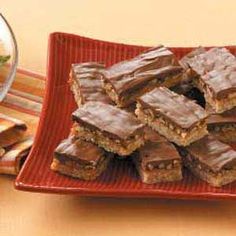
213, 153
214, 59
88, 78
221, 83
108, 119
131, 82
223, 118
187, 59
79, 150
125, 74
157, 152
177, 108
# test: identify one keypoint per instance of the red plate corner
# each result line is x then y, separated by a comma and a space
120, 179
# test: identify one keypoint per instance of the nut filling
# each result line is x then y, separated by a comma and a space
161, 173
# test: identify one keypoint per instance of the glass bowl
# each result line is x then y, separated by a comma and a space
8, 57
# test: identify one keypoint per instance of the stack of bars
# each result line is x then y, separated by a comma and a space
161, 112
15, 144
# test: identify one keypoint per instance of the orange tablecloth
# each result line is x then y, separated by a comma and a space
24, 100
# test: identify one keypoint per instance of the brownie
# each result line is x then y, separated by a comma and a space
80, 159
158, 161
86, 83
127, 80
223, 126
11, 130
211, 160
113, 129
174, 116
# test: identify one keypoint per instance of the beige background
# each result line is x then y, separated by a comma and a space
139, 22
147, 22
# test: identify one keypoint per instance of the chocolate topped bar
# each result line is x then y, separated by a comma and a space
80, 159
220, 83
187, 60
212, 153
158, 161
211, 160
86, 83
174, 116
109, 119
127, 80
153, 58
176, 108
202, 62
214, 73
79, 150
131, 82
113, 129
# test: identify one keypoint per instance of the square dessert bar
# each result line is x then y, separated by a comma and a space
86, 83
211, 160
11, 130
174, 116
219, 88
109, 127
127, 80
158, 161
214, 73
80, 159
223, 126
201, 61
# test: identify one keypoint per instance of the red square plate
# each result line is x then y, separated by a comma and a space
120, 179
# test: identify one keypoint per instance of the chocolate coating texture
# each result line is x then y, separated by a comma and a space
221, 83
88, 76
157, 63
79, 150
177, 108
213, 153
214, 59
154, 153
108, 119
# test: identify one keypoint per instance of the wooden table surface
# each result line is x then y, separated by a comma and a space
209, 22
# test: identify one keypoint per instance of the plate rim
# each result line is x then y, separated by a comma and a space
149, 193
